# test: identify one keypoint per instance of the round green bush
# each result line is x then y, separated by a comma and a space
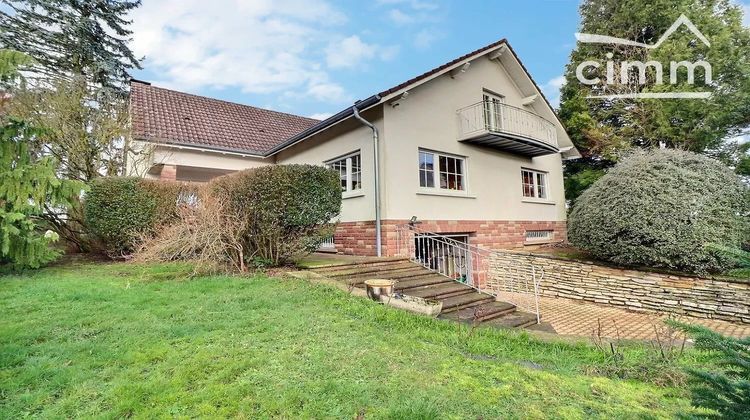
665, 208
287, 209
120, 210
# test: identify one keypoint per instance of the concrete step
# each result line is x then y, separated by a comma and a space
398, 275
356, 271
516, 319
439, 291
468, 300
371, 262
483, 312
421, 281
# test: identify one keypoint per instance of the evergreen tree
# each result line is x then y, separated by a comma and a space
724, 390
28, 183
603, 129
73, 37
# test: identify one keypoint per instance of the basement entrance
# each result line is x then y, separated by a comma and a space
448, 254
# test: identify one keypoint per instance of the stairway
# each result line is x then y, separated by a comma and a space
460, 302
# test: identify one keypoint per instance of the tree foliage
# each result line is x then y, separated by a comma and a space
28, 182
288, 208
120, 211
724, 390
27, 185
605, 129
86, 38
667, 208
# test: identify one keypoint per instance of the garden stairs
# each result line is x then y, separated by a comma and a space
460, 302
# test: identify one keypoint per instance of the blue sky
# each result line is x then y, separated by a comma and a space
315, 57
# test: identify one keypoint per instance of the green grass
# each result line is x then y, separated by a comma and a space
114, 340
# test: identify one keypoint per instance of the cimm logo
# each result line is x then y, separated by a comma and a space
627, 67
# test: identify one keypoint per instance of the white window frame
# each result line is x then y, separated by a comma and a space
436, 171
348, 160
535, 184
493, 110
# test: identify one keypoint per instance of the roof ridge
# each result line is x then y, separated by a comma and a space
151, 86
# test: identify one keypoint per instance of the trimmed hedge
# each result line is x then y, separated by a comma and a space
287, 208
120, 210
666, 208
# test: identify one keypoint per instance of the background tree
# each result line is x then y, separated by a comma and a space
725, 389
77, 91
604, 129
86, 38
28, 183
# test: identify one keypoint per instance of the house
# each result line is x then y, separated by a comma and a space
472, 149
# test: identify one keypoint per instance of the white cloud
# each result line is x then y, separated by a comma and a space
551, 89
264, 46
320, 116
400, 18
425, 38
348, 52
351, 51
329, 92
414, 4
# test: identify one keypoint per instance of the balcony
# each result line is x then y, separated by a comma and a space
507, 128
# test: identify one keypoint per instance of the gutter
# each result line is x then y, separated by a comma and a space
334, 119
376, 161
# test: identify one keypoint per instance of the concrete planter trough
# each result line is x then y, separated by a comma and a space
383, 290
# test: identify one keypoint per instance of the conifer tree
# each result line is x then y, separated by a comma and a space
724, 390
28, 183
73, 37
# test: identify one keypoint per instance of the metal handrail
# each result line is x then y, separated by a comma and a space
498, 273
494, 116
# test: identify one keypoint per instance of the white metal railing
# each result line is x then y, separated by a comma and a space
502, 274
494, 116
327, 244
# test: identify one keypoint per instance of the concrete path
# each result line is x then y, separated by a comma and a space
572, 317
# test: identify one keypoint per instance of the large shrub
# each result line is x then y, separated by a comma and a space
119, 211
287, 208
665, 208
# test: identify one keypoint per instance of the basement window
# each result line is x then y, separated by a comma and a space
538, 235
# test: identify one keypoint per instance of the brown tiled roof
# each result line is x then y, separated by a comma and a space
164, 115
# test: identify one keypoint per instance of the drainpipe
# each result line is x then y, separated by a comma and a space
377, 176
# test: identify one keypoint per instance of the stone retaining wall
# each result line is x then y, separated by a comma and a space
635, 290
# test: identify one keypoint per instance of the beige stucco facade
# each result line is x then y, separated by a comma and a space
427, 119
424, 116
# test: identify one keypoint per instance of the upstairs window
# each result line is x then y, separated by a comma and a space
437, 170
350, 171
534, 184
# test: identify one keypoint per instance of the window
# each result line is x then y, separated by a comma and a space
493, 111
437, 170
534, 184
538, 235
350, 171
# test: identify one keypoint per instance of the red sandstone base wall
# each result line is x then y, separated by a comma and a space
358, 238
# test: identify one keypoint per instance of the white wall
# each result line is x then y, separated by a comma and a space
427, 118
192, 161
348, 136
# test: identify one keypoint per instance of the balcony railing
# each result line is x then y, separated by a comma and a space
493, 117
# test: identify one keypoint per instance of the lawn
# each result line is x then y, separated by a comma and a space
118, 340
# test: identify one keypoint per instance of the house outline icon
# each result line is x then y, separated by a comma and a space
604, 39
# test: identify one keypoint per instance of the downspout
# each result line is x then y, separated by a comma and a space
377, 176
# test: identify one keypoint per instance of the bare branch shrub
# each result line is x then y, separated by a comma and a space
206, 233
